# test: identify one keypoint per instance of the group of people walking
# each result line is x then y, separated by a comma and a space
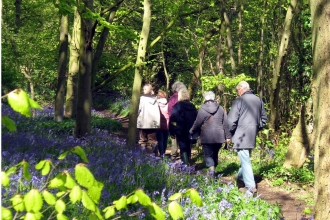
179, 118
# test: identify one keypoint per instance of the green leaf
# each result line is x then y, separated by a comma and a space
70, 183
144, 199
6, 214
18, 203
60, 206
75, 194
33, 201
19, 101
81, 153
63, 155
60, 216
4, 179
175, 196
157, 212
88, 202
34, 104
58, 181
109, 212
195, 198
307, 211
26, 172
132, 199
95, 191
8, 123
33, 216
49, 198
175, 210
40, 165
121, 203
45, 170
11, 170
83, 176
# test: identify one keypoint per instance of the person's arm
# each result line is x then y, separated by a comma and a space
198, 122
226, 127
263, 114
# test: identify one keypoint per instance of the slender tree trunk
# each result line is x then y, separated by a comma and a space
102, 40
199, 68
261, 54
230, 44
320, 14
140, 59
84, 102
275, 93
61, 74
240, 28
17, 15
220, 63
72, 84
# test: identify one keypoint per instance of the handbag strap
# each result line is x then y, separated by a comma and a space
208, 120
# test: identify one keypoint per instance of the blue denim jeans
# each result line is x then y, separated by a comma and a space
162, 137
245, 172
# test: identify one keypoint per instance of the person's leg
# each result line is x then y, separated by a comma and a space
143, 138
174, 148
183, 150
208, 155
160, 141
165, 139
246, 168
152, 138
216, 149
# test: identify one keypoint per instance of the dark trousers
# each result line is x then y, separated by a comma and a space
184, 145
162, 137
211, 152
148, 135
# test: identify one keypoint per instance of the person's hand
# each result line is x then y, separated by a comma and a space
172, 137
228, 141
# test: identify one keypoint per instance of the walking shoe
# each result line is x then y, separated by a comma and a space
239, 183
248, 191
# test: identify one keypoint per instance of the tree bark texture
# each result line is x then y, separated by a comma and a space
275, 91
61, 72
72, 82
139, 66
84, 102
261, 54
300, 141
320, 15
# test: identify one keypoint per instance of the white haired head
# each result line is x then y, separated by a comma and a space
209, 95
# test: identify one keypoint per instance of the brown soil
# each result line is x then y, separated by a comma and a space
292, 198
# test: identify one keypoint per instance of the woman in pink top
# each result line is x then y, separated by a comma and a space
162, 133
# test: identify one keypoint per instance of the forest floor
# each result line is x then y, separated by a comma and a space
292, 198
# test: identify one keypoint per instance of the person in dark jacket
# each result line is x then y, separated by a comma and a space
212, 122
182, 118
244, 116
176, 87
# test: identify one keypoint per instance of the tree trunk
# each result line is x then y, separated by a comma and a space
275, 93
17, 15
230, 44
102, 40
72, 84
320, 14
240, 28
140, 59
84, 102
261, 54
61, 74
198, 71
220, 63
300, 141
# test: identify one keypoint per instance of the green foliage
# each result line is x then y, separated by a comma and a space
229, 83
